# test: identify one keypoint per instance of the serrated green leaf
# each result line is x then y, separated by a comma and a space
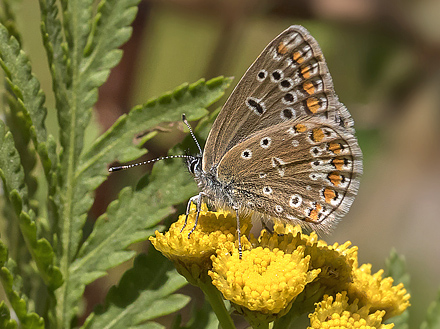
202, 318
396, 268
91, 55
132, 218
117, 142
15, 297
140, 295
12, 175
3, 254
433, 315
26, 89
5, 318
92, 170
56, 50
90, 64
7, 18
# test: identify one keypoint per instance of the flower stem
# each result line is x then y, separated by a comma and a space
218, 306
261, 325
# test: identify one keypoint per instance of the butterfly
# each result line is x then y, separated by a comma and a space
282, 146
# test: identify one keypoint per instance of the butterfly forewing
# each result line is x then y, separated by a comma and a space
288, 80
303, 171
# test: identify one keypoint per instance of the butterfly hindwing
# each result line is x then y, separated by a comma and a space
305, 171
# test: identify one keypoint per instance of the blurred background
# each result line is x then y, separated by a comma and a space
384, 57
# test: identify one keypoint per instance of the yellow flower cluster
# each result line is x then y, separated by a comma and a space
192, 254
263, 280
378, 293
342, 314
279, 270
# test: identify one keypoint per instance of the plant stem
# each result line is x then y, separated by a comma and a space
218, 306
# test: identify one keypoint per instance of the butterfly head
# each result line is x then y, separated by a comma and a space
194, 164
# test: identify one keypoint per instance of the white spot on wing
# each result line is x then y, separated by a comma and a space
295, 200
246, 154
265, 142
267, 190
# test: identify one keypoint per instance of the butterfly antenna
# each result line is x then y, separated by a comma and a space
132, 165
191, 132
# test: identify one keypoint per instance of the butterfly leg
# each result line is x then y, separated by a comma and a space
197, 199
188, 207
240, 252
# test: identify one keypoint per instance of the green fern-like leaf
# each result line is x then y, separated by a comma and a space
144, 293
117, 142
132, 218
396, 268
18, 302
7, 18
26, 89
12, 176
137, 208
433, 315
5, 317
27, 114
82, 40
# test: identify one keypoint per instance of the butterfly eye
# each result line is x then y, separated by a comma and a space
193, 164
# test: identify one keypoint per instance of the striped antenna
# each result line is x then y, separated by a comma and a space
118, 168
191, 132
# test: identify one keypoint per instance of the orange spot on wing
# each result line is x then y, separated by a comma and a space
329, 195
297, 57
338, 163
305, 72
309, 87
313, 104
282, 49
314, 213
335, 178
336, 148
300, 128
317, 134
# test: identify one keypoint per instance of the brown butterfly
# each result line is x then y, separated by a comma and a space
282, 146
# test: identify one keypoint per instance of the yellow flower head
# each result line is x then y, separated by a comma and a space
335, 261
265, 281
191, 256
341, 314
378, 293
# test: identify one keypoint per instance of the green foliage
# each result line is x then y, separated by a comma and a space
433, 316
11, 284
144, 293
202, 318
396, 268
44, 278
